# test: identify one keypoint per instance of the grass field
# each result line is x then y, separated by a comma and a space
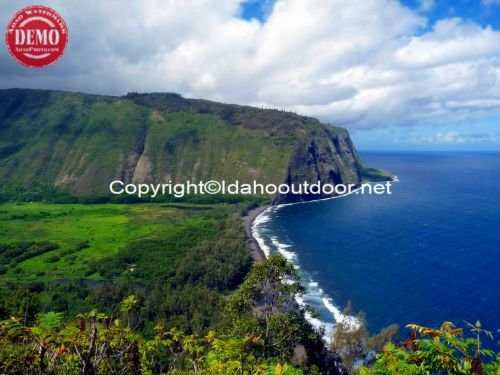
85, 233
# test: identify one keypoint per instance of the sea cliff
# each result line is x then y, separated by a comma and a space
78, 143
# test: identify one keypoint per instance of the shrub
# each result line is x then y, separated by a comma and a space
53, 259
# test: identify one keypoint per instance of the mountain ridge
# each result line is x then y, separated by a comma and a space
81, 142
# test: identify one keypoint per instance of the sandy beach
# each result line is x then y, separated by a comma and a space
256, 251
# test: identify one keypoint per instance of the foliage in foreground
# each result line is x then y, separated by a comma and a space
260, 334
438, 351
94, 343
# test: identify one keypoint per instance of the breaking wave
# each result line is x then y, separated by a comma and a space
314, 296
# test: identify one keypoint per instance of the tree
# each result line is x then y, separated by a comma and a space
350, 338
265, 302
378, 341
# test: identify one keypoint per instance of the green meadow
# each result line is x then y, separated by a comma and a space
84, 234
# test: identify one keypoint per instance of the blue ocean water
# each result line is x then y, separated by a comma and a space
428, 253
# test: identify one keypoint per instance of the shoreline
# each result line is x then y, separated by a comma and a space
258, 255
255, 250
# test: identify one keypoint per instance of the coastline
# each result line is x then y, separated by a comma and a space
313, 290
248, 220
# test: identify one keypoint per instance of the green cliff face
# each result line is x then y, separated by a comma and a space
80, 143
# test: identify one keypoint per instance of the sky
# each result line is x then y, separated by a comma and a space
400, 75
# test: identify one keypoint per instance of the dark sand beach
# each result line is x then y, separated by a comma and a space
256, 251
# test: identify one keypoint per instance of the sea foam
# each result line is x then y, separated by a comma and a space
314, 295
256, 230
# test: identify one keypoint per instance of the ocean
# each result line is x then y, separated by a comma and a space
427, 253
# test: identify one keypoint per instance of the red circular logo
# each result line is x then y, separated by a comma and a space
37, 36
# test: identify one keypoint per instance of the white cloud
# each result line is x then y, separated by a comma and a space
451, 138
490, 2
360, 64
450, 41
428, 5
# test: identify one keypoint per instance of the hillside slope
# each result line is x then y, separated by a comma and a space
80, 143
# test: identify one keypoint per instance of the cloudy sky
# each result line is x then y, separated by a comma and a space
408, 74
